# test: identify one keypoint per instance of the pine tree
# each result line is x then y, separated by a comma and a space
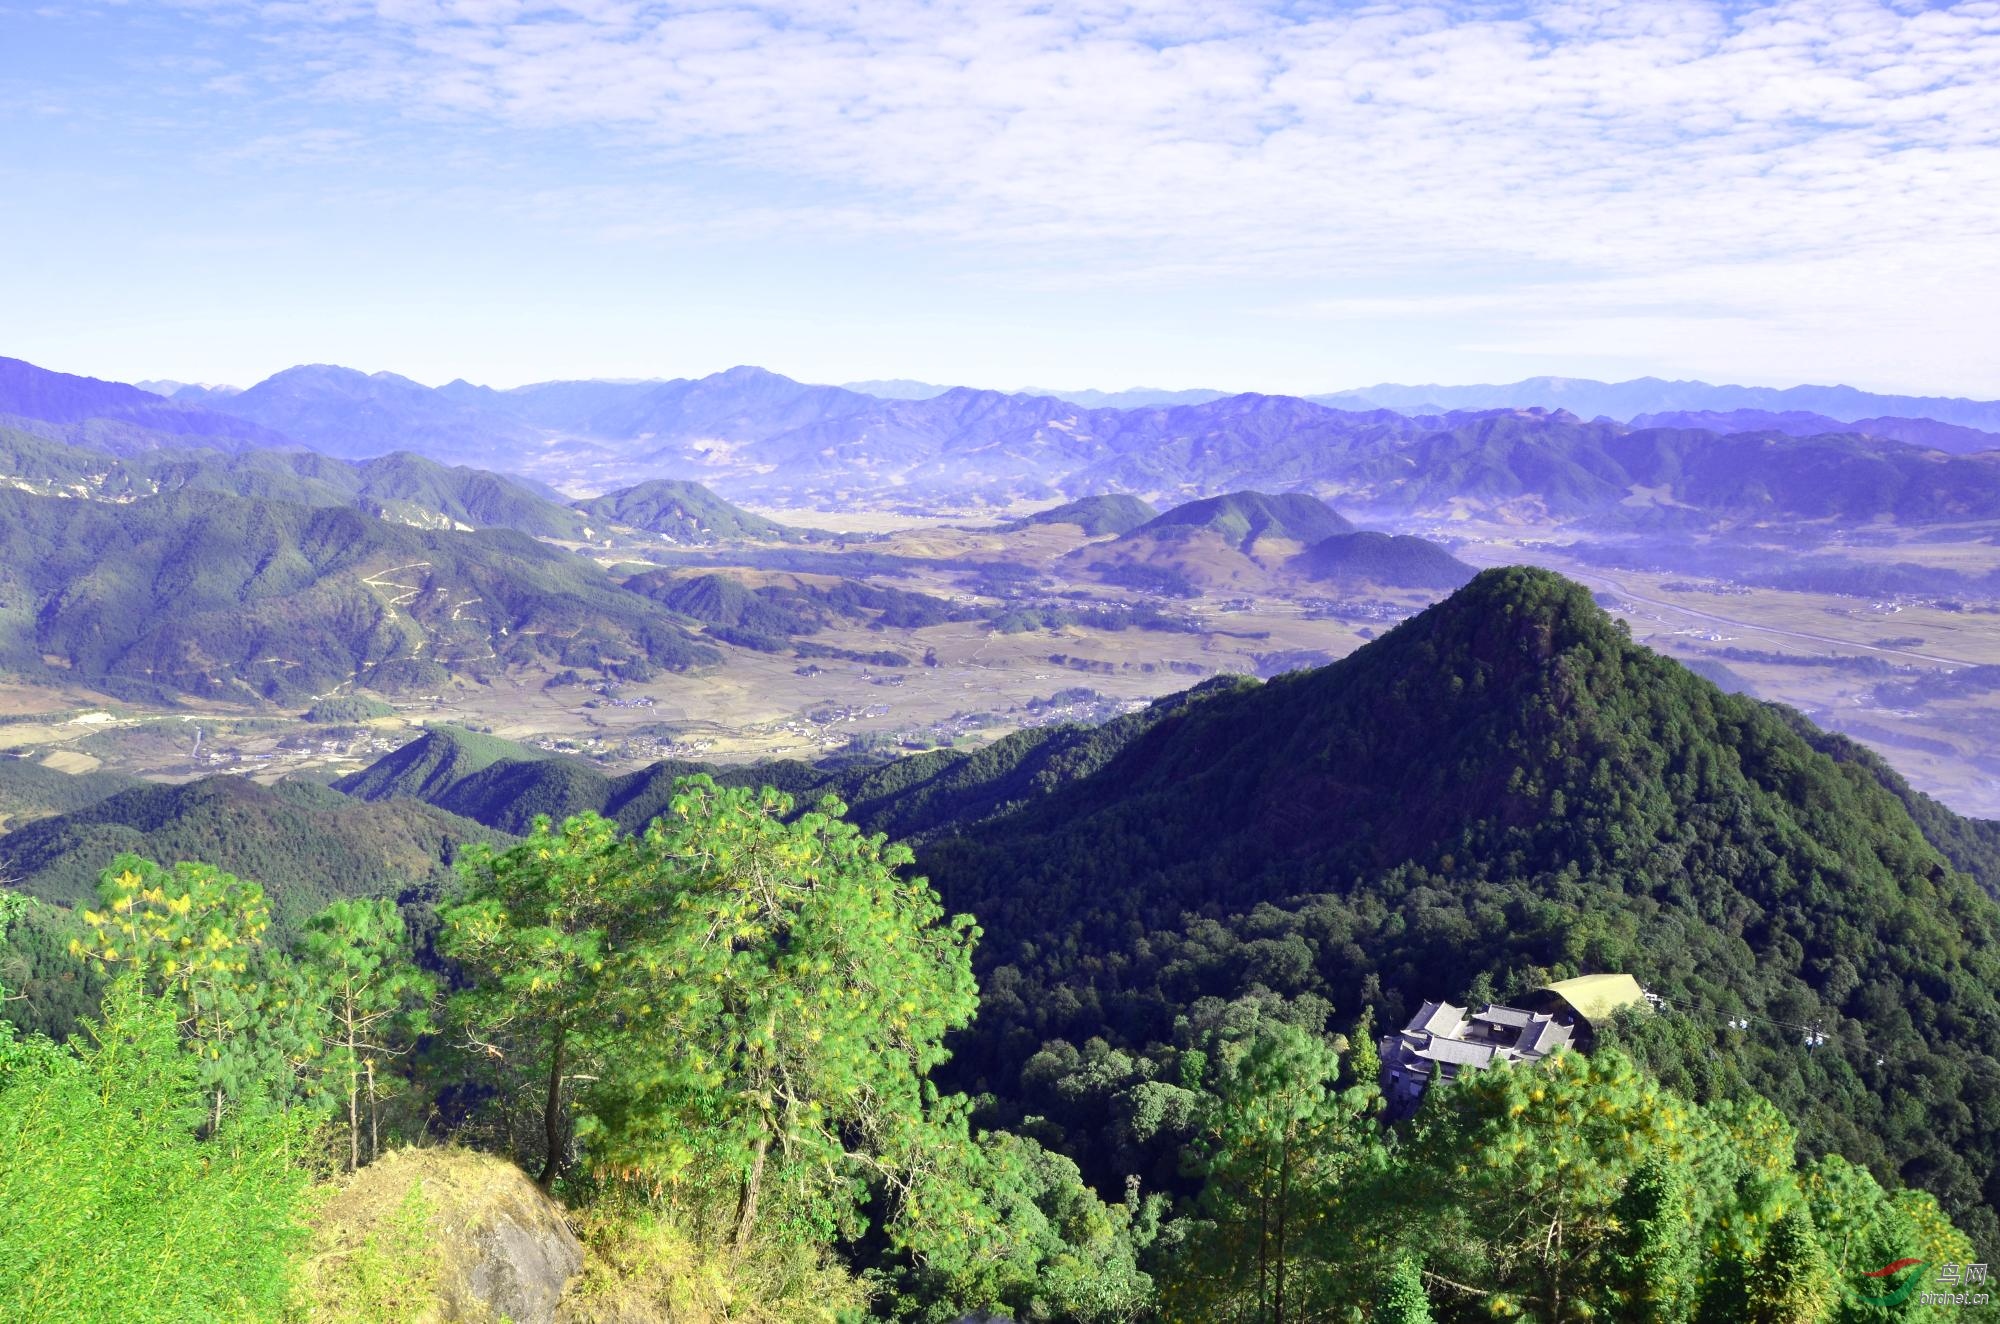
782, 1026
1654, 1255
1793, 1282
1402, 1299
355, 958
536, 929
194, 935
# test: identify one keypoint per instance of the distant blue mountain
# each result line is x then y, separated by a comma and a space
114, 417
1926, 432
753, 434
1138, 397
1625, 401
897, 388
354, 415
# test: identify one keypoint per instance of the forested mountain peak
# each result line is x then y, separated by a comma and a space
431, 763
1115, 513
1502, 790
685, 512
1243, 518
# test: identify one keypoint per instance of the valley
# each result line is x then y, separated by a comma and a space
1026, 651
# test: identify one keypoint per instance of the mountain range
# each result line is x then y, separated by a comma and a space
1653, 395
752, 433
1626, 401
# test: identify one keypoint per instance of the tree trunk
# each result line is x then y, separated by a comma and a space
746, 1207
552, 1112
215, 1117
1284, 1197
374, 1118
353, 1115
1263, 1240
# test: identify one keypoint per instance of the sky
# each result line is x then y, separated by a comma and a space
1295, 196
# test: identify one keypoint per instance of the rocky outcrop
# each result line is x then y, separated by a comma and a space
489, 1244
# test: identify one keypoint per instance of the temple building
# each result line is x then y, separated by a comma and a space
1442, 1040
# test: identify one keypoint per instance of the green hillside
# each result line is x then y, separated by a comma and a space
29, 790
1392, 560
308, 845
1242, 518
1503, 789
1095, 515
909, 798
402, 487
686, 512
768, 616
431, 764
219, 596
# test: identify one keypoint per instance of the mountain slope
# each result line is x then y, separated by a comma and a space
402, 487
116, 417
1924, 432
685, 512
1242, 519
306, 844
432, 763
356, 415
1391, 560
29, 791
1096, 515
742, 404
195, 593
1501, 789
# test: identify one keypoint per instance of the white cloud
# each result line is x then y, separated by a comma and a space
1569, 132
1560, 153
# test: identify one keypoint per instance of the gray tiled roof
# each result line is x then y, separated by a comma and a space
1548, 1036
1439, 1018
1457, 1052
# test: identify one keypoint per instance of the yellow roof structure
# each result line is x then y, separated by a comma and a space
1596, 997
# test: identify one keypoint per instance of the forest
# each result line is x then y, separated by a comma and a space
1079, 1028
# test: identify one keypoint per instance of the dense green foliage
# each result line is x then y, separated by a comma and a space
348, 708
753, 997
1502, 790
694, 999
49, 992
29, 790
432, 763
115, 1209
310, 844
353, 959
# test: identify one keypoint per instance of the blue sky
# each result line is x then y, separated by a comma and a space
1291, 197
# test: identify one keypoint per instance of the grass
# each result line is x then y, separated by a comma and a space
399, 1240
644, 1262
